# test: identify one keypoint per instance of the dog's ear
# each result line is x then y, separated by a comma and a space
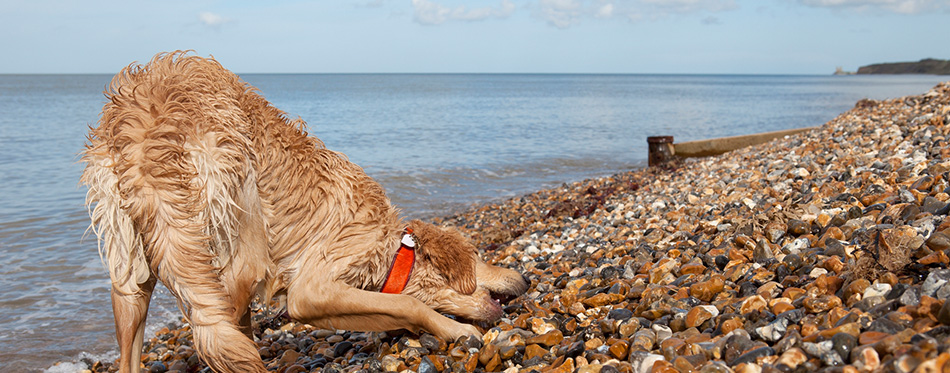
449, 252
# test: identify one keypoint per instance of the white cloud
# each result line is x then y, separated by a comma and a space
371, 4
688, 6
211, 19
560, 13
896, 6
431, 13
567, 13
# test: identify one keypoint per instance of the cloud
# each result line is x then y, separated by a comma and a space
562, 13
431, 13
211, 19
688, 6
896, 6
566, 13
371, 4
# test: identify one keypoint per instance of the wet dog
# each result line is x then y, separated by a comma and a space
197, 181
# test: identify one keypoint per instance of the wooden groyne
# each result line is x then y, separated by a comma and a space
663, 148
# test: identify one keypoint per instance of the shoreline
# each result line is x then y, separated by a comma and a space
826, 250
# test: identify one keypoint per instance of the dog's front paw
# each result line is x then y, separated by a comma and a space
454, 332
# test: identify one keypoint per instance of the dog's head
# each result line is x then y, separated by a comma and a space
449, 277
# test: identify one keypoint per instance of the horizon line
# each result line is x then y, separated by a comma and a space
471, 73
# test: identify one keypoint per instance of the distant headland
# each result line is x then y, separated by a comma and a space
928, 66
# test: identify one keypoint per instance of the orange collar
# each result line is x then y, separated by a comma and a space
402, 265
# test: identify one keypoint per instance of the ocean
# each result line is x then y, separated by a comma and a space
438, 144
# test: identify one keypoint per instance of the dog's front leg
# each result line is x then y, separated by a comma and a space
339, 306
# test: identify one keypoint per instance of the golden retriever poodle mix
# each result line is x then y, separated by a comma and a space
196, 180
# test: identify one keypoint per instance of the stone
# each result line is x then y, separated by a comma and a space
628, 327
644, 340
288, 357
871, 337
602, 299
774, 330
566, 367
818, 349
551, 338
663, 332
534, 351
427, 366
792, 339
822, 303
730, 325
938, 241
642, 361
843, 344
541, 326
910, 297
707, 290
792, 358
752, 303
782, 307
866, 359
699, 314
943, 315
797, 227
618, 350
590, 368
574, 350
877, 290
620, 314
936, 279
487, 353
753, 355
431, 342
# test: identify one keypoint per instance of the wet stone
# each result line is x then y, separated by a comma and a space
843, 344
885, 326
753, 355
773, 331
935, 280
797, 227
431, 342
620, 314
910, 297
643, 361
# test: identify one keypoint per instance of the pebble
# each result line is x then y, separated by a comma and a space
823, 251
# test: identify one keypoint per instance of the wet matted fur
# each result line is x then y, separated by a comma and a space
197, 181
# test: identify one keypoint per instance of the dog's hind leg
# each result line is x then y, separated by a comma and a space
168, 205
120, 246
179, 255
131, 310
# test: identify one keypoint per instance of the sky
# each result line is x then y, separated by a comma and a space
483, 36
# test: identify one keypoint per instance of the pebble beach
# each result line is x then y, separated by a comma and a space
825, 251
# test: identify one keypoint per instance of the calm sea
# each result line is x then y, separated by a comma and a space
437, 143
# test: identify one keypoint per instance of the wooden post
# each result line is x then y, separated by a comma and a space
661, 149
